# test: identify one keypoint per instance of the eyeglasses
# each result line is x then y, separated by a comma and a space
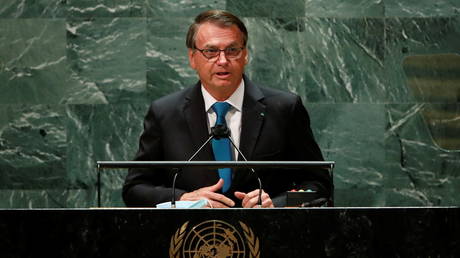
213, 53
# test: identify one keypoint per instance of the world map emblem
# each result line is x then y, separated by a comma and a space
214, 238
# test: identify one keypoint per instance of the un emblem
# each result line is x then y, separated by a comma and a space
214, 238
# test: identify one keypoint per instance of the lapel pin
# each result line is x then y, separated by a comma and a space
262, 114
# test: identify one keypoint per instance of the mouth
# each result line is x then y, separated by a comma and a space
222, 74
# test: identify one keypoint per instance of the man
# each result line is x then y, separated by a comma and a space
265, 123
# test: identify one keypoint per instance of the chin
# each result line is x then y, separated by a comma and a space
223, 84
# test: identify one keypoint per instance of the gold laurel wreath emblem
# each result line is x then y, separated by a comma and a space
176, 241
251, 240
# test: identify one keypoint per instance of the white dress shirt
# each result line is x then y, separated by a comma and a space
233, 116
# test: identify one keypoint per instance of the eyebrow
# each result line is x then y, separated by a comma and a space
233, 44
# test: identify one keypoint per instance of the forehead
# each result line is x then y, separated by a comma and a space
210, 34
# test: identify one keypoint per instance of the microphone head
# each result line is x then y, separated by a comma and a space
220, 131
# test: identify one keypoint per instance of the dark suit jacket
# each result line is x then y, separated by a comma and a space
275, 126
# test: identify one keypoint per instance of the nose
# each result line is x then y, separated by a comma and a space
221, 58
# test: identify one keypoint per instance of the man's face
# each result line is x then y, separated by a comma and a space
222, 76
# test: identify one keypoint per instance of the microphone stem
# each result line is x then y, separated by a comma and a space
259, 202
173, 199
201, 147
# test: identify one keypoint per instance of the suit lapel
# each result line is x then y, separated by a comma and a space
196, 119
251, 124
252, 118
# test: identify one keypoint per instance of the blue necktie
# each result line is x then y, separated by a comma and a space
221, 147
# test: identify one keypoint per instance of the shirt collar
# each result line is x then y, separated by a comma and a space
235, 100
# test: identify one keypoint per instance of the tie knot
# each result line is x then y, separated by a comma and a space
221, 109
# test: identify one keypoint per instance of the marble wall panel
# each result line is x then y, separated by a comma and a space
109, 54
317, 57
32, 61
32, 9
32, 147
31, 198
345, 9
352, 136
421, 173
82, 91
180, 8
72, 8
415, 8
35, 64
406, 37
269, 8
166, 56
105, 8
309, 8
101, 132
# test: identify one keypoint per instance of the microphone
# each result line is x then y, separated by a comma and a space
222, 131
217, 132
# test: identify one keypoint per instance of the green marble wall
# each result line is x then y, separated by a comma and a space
381, 79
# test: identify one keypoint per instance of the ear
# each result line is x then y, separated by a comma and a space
191, 60
246, 57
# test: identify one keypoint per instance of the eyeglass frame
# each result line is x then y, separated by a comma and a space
220, 50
